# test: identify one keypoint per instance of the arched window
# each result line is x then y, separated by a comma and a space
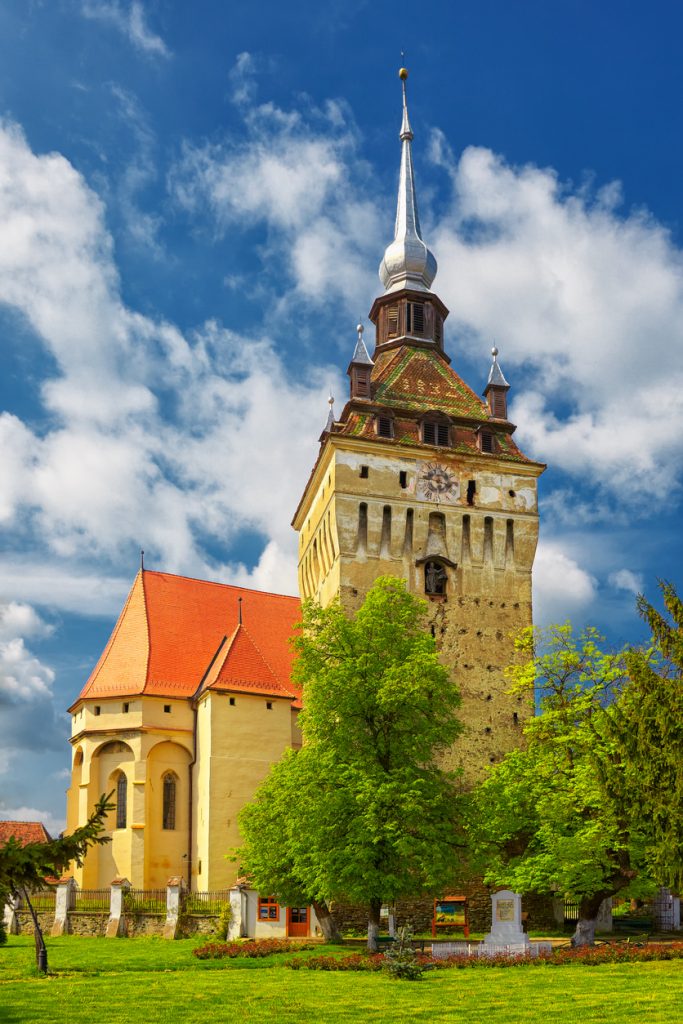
169, 793
435, 578
121, 800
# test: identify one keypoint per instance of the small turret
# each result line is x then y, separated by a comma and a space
496, 389
360, 368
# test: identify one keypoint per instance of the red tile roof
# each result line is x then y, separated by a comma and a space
241, 666
171, 628
24, 831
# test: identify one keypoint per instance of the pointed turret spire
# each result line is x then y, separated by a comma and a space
330, 415
496, 389
360, 368
407, 262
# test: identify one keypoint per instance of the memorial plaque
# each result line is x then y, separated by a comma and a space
505, 910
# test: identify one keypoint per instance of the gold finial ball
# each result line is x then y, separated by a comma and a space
403, 74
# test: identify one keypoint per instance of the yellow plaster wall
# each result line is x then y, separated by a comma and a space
245, 740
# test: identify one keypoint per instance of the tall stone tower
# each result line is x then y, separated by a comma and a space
420, 478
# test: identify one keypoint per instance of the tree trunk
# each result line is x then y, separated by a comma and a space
584, 934
373, 924
327, 923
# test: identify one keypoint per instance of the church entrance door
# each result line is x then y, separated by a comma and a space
297, 922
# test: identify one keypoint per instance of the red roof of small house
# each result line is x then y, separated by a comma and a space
24, 831
172, 628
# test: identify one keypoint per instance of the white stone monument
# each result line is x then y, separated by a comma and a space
506, 923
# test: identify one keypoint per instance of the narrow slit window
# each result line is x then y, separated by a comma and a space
364, 472
126, 708
121, 800
471, 491
232, 702
403, 478
97, 709
269, 705
167, 709
169, 795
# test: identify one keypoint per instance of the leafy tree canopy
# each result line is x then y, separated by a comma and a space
364, 812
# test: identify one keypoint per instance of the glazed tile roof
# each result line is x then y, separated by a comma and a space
171, 628
25, 831
419, 379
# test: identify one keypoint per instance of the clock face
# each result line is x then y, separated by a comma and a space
436, 483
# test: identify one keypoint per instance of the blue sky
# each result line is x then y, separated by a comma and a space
194, 200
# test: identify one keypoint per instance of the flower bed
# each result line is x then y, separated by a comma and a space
612, 953
251, 948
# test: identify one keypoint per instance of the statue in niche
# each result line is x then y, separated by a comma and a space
435, 578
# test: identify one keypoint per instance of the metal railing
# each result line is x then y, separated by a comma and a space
145, 901
43, 900
205, 904
92, 900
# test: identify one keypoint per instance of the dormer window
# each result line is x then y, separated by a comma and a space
415, 318
384, 426
487, 441
435, 432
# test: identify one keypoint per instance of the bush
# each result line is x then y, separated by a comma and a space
401, 961
252, 948
224, 919
353, 962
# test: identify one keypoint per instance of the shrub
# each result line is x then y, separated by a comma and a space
224, 919
401, 961
353, 962
252, 948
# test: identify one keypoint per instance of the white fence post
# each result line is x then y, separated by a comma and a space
116, 924
64, 902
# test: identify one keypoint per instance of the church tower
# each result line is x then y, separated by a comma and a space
420, 478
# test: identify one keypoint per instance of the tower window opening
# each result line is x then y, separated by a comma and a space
167, 709
231, 702
126, 708
415, 318
121, 800
364, 472
471, 491
361, 385
498, 404
392, 321
487, 441
435, 433
168, 809
385, 426
97, 710
435, 579
269, 705
403, 478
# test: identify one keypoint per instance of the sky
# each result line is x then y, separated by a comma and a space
194, 200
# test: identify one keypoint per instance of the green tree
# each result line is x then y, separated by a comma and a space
368, 815
647, 723
549, 817
24, 868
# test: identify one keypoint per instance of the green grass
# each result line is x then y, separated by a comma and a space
152, 981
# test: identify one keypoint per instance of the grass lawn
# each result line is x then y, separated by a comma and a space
150, 981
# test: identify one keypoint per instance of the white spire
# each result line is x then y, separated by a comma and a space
360, 353
496, 377
330, 415
407, 262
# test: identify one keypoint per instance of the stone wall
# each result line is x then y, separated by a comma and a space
82, 923
25, 921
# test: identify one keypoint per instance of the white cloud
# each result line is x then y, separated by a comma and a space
625, 579
17, 619
585, 303
300, 174
54, 823
113, 473
562, 588
130, 20
22, 676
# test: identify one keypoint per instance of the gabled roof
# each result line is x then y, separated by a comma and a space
171, 628
240, 666
24, 831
